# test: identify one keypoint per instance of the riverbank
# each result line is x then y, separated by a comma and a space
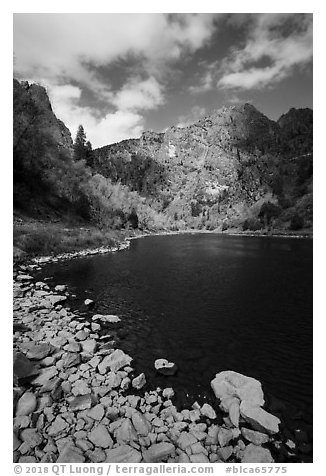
77, 397
42, 242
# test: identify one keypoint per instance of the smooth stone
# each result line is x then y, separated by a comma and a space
100, 437
259, 419
256, 454
234, 413
233, 384
26, 404
123, 454
139, 382
158, 452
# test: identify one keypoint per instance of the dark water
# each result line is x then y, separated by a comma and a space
208, 303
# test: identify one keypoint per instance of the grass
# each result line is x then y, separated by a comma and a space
33, 238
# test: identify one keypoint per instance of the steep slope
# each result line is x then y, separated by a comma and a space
221, 170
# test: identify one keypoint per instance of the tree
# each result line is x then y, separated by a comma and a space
80, 148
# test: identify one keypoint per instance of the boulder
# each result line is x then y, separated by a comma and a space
45, 376
89, 346
81, 403
165, 367
168, 393
256, 454
232, 384
126, 432
185, 440
70, 454
39, 351
139, 382
254, 437
97, 412
109, 318
208, 411
158, 452
23, 367
70, 359
26, 404
58, 426
123, 454
100, 437
115, 361
259, 419
142, 426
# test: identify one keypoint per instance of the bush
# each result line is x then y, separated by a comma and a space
252, 224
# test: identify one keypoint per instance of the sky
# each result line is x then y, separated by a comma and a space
120, 74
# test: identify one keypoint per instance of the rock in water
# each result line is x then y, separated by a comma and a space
232, 384
165, 367
158, 452
26, 404
256, 454
109, 318
139, 382
123, 454
259, 418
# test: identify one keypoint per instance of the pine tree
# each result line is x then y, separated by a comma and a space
80, 148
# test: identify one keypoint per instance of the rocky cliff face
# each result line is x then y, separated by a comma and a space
221, 170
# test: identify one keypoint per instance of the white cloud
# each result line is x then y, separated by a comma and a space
113, 127
69, 45
139, 95
196, 113
267, 41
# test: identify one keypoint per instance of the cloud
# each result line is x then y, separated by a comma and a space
196, 113
68, 53
139, 95
113, 127
282, 40
70, 45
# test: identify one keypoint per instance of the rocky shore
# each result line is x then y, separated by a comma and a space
77, 397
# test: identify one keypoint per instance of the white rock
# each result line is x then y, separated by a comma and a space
139, 382
259, 419
158, 452
114, 361
168, 393
208, 411
110, 318
256, 454
232, 384
165, 367
26, 404
142, 426
123, 454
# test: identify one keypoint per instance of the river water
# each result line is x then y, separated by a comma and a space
208, 303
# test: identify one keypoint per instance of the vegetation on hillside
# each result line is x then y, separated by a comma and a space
233, 169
